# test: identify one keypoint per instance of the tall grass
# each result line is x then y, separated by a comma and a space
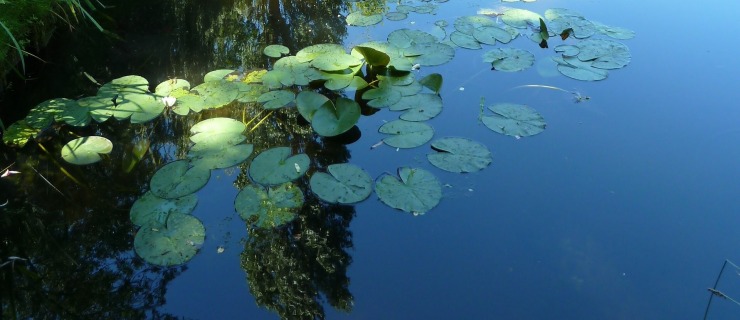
17, 45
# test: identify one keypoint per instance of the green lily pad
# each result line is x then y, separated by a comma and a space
178, 179
573, 67
307, 102
459, 155
86, 150
188, 102
358, 19
372, 56
468, 24
276, 166
312, 52
397, 60
175, 242
491, 34
276, 50
18, 133
396, 16
514, 120
217, 75
382, 96
249, 92
614, 32
220, 158
417, 191
520, 18
430, 54
293, 70
124, 85
405, 38
276, 99
217, 143
554, 13
271, 207
150, 208
139, 108
344, 183
335, 118
581, 27
166, 87
217, 125
604, 54
509, 59
69, 112
335, 62
464, 40
101, 108
406, 134
216, 93
418, 107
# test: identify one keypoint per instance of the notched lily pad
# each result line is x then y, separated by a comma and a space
514, 120
358, 19
276, 50
178, 179
415, 190
509, 59
86, 150
406, 134
277, 166
459, 155
269, 207
150, 208
175, 242
344, 183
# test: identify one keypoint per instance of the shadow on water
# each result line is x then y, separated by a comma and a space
65, 229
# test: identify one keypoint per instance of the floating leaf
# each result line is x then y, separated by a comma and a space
18, 133
417, 191
307, 102
216, 93
276, 50
344, 183
139, 108
277, 166
491, 34
217, 75
335, 62
405, 38
419, 107
614, 32
122, 86
86, 150
225, 157
101, 108
468, 24
166, 87
178, 179
312, 52
276, 99
574, 68
509, 59
372, 56
604, 54
271, 207
358, 19
579, 27
334, 118
520, 18
382, 96
396, 16
459, 155
406, 134
464, 40
430, 54
150, 208
172, 243
514, 120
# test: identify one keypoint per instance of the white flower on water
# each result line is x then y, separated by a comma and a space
169, 101
297, 168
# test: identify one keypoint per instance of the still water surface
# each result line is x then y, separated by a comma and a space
624, 208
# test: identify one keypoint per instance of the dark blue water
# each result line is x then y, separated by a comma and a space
624, 208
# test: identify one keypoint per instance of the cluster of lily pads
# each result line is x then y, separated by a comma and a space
371, 12
381, 73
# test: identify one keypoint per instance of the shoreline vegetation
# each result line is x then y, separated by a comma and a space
27, 25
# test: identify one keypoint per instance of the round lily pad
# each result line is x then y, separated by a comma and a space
86, 150
573, 67
172, 243
139, 108
276, 99
604, 54
468, 24
152, 208
344, 183
509, 59
312, 52
491, 34
271, 207
100, 108
464, 40
520, 18
307, 102
404, 38
276, 50
166, 87
358, 19
335, 118
614, 32
18, 133
415, 190
216, 126
178, 179
217, 75
514, 120
406, 134
225, 156
335, 62
396, 16
418, 107
277, 166
459, 155
124, 85
430, 54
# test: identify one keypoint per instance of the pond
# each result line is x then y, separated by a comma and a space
623, 207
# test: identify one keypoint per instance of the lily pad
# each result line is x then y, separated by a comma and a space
101, 108
405, 38
415, 190
276, 99
382, 96
307, 102
216, 93
468, 24
178, 179
217, 75
573, 67
406, 134
152, 208
430, 54
509, 59
514, 120
491, 34
276, 50
465, 40
520, 18
432, 81
312, 52
215, 126
277, 166
604, 54
139, 108
614, 32
396, 16
344, 183
271, 207
334, 118
459, 155
335, 62
166, 87
124, 85
220, 158
372, 56
358, 19
86, 150
175, 242
18, 133
419, 107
